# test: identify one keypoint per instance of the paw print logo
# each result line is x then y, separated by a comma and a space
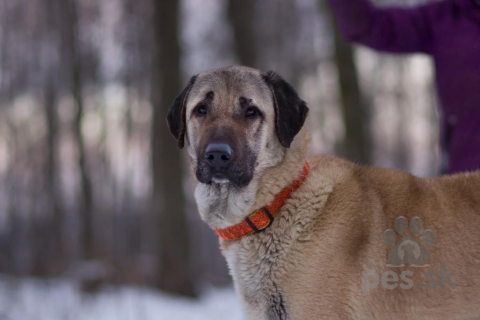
408, 249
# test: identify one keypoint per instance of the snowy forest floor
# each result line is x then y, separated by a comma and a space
34, 299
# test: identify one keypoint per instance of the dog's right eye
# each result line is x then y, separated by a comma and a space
201, 110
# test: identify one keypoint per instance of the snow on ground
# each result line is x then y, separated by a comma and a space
33, 299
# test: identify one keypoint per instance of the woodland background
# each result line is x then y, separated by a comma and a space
92, 186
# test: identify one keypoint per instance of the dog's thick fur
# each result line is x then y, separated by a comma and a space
308, 264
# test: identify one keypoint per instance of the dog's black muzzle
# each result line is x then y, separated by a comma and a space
219, 163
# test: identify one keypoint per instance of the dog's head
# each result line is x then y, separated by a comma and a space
236, 121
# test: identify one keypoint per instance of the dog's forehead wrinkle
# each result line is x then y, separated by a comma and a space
231, 81
209, 96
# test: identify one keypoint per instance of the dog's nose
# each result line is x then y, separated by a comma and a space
218, 155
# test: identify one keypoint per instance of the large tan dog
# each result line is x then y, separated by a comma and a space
351, 242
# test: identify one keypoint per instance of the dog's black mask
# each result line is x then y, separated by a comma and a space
223, 156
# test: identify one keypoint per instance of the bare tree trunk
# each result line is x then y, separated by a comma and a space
435, 157
14, 233
241, 16
72, 46
51, 172
357, 142
402, 150
175, 273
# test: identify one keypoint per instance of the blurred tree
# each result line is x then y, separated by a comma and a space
241, 14
279, 32
357, 141
51, 170
52, 164
175, 273
72, 47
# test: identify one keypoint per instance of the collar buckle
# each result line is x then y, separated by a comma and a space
252, 225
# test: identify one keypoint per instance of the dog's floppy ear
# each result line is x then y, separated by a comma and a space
176, 118
290, 110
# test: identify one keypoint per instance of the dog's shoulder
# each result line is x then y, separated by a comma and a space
332, 171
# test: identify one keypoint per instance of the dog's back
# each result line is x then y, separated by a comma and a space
434, 225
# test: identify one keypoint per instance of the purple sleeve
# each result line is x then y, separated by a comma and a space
398, 30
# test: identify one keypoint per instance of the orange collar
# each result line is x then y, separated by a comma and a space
261, 219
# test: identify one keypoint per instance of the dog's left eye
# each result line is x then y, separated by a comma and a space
201, 110
251, 113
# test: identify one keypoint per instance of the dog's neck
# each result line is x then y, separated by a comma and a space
223, 205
